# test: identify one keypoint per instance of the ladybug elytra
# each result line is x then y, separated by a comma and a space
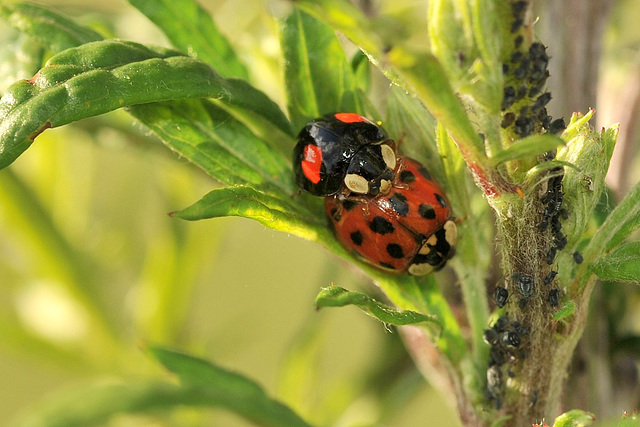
409, 229
344, 152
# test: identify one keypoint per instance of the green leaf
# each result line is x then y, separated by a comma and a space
527, 147
276, 212
409, 122
99, 77
463, 36
590, 152
191, 29
620, 223
565, 311
343, 16
218, 143
101, 402
318, 76
423, 75
574, 418
52, 30
621, 265
336, 296
220, 387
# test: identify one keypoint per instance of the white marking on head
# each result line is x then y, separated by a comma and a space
385, 186
356, 183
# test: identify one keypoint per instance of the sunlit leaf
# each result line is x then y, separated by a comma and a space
21, 58
191, 29
620, 265
51, 29
217, 142
103, 76
220, 387
336, 296
318, 76
276, 212
574, 418
533, 145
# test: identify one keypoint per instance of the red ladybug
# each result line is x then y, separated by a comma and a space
409, 229
344, 152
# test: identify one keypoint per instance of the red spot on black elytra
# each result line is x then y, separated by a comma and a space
349, 117
44, 127
312, 163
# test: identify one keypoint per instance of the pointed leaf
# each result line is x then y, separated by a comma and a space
527, 147
191, 29
565, 311
217, 142
229, 390
620, 223
318, 76
590, 152
336, 296
103, 76
283, 214
424, 76
53, 30
620, 265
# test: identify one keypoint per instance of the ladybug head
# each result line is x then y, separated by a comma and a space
371, 170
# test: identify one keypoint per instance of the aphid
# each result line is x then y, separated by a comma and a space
501, 295
525, 284
554, 297
577, 257
510, 339
551, 255
508, 120
549, 277
490, 336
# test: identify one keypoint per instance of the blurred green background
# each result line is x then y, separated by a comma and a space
92, 267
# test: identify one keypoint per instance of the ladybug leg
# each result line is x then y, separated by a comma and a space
398, 181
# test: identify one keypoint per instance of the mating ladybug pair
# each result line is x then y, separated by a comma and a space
383, 207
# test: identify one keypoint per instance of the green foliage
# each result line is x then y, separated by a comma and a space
199, 101
335, 296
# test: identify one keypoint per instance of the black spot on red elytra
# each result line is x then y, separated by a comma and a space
399, 204
407, 177
380, 225
349, 204
441, 200
385, 265
426, 211
424, 172
356, 238
395, 250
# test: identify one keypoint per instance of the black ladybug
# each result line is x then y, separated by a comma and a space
344, 152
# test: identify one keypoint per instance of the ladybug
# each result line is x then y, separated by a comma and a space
409, 229
344, 152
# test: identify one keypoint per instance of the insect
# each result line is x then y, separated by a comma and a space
344, 152
409, 229
501, 295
